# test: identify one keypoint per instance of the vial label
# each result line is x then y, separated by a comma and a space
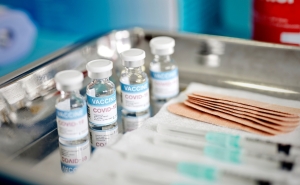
71, 124
72, 156
165, 84
101, 138
102, 110
132, 123
135, 97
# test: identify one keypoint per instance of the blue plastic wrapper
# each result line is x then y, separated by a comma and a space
17, 35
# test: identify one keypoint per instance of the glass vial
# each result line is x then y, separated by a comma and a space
163, 71
74, 153
134, 83
71, 113
101, 102
133, 122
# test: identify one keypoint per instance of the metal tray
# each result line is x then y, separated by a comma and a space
27, 96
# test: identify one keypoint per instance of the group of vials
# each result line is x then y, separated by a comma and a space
82, 123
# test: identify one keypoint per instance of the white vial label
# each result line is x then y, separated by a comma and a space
135, 98
133, 123
72, 156
101, 138
165, 84
102, 110
71, 124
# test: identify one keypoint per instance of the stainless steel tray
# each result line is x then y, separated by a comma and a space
27, 96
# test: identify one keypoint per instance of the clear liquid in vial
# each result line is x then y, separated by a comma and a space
71, 116
102, 119
136, 103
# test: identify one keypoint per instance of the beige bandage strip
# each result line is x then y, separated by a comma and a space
255, 105
274, 122
253, 113
183, 110
241, 106
270, 125
235, 119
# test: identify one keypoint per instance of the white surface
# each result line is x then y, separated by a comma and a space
142, 142
165, 117
99, 66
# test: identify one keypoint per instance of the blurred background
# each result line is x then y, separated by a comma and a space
32, 29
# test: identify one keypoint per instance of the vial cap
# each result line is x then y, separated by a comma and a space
98, 69
68, 80
162, 45
133, 57
99, 66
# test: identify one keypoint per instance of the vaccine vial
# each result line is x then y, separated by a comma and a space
71, 112
74, 153
134, 83
163, 71
134, 121
101, 103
